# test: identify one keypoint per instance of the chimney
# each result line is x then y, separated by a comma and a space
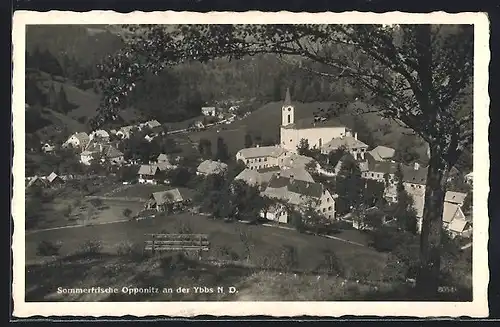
291, 179
416, 166
256, 145
356, 136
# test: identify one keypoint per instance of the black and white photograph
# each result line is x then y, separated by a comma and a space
228, 157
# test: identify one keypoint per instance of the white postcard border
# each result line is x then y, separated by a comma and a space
477, 308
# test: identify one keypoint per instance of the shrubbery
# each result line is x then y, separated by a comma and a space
90, 247
48, 248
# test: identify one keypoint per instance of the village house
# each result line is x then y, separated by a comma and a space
163, 162
380, 171
100, 135
169, 201
77, 141
350, 143
382, 153
210, 167
469, 178
47, 148
293, 160
86, 157
208, 111
298, 194
454, 219
36, 181
149, 174
154, 125
126, 131
113, 155
261, 156
198, 124
261, 177
315, 132
54, 180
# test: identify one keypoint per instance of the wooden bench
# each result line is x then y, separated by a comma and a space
177, 242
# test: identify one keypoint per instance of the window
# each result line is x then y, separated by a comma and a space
260, 159
330, 208
327, 199
289, 117
373, 174
412, 185
260, 166
320, 142
329, 216
324, 210
265, 159
248, 161
290, 140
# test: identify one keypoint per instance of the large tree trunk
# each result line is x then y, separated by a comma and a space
430, 238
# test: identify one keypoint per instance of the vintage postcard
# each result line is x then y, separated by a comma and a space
279, 164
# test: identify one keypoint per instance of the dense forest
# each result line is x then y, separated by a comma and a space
71, 55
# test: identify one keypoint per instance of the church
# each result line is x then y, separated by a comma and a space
317, 133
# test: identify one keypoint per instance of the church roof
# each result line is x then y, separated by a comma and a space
310, 122
288, 98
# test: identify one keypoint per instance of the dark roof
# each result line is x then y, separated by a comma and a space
268, 169
383, 167
415, 176
311, 123
288, 98
297, 186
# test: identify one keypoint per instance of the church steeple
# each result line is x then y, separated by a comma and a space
287, 111
288, 99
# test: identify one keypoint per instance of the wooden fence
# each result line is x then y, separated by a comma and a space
177, 242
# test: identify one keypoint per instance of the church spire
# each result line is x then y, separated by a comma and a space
288, 100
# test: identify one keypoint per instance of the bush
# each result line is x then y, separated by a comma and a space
387, 239
48, 248
91, 247
130, 249
127, 212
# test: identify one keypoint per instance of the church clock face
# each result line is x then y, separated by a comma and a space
289, 109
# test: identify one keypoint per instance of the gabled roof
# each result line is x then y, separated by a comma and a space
307, 123
162, 157
348, 142
296, 173
212, 167
153, 123
262, 151
100, 133
170, 196
381, 153
52, 177
295, 161
81, 136
148, 170
309, 189
458, 225
36, 180
112, 152
452, 211
455, 197
383, 167
249, 176
415, 176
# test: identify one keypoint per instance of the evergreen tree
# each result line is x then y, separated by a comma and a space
404, 211
222, 153
53, 98
303, 147
63, 104
349, 186
248, 141
205, 148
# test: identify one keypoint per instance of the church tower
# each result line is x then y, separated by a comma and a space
287, 111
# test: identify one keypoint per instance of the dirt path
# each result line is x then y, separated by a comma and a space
75, 226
